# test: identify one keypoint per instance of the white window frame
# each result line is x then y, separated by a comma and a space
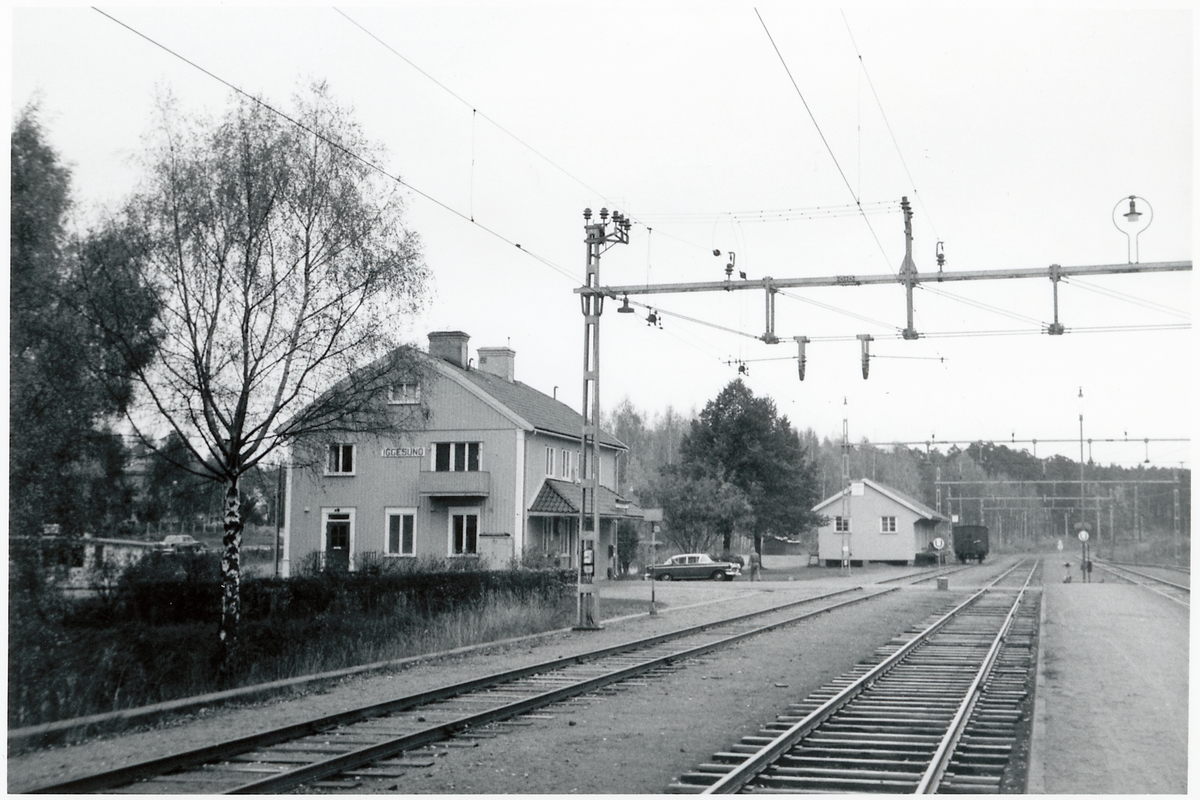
404, 394
841, 524
341, 450
454, 465
887, 524
463, 511
550, 462
567, 469
388, 515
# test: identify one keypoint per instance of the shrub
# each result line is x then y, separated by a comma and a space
157, 639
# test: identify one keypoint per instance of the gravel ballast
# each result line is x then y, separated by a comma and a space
637, 740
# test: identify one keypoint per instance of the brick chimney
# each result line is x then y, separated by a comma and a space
498, 361
449, 346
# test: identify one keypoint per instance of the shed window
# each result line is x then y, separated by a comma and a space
887, 524
841, 524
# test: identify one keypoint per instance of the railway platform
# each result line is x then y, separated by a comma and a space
1111, 713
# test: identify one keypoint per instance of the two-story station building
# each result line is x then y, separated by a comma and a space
883, 525
493, 473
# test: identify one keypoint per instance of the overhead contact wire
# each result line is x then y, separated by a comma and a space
339, 147
820, 133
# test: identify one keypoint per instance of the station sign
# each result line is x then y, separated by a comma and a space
939, 543
1083, 536
402, 452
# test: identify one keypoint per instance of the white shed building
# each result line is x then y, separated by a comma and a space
882, 525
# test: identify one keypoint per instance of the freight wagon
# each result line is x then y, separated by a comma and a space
970, 542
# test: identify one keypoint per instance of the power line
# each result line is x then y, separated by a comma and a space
888, 125
819, 132
978, 304
776, 215
474, 109
837, 310
339, 147
1129, 298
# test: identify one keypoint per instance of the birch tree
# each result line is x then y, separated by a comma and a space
283, 271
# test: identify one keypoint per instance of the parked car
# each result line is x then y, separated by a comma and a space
181, 543
693, 567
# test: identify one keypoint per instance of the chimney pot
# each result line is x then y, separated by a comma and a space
449, 346
498, 361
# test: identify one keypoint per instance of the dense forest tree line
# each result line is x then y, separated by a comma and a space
1024, 499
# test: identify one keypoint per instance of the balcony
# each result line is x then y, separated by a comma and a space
454, 484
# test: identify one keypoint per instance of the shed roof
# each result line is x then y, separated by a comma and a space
917, 507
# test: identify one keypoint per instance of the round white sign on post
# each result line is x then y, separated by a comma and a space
939, 543
1083, 536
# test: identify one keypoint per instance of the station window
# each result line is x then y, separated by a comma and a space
340, 460
404, 394
456, 457
550, 461
887, 524
401, 528
464, 533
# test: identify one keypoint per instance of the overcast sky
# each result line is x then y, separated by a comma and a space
1013, 131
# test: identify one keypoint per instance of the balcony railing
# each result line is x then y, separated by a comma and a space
454, 484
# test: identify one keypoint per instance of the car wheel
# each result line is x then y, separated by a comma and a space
666, 576
718, 576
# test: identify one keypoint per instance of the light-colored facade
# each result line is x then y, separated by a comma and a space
883, 525
492, 473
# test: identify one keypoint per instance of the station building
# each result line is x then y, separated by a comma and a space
492, 473
884, 525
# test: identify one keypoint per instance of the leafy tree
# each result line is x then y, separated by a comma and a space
282, 266
627, 543
739, 440
699, 509
68, 384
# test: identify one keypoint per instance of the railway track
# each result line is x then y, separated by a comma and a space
936, 711
1173, 590
343, 750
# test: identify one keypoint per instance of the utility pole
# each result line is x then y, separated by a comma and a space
845, 489
1137, 519
1175, 515
908, 270
598, 239
1082, 498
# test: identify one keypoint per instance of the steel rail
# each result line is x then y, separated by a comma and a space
358, 758
194, 758
743, 773
941, 758
1118, 570
1111, 567
927, 575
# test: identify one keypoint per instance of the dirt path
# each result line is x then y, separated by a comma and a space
1112, 696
